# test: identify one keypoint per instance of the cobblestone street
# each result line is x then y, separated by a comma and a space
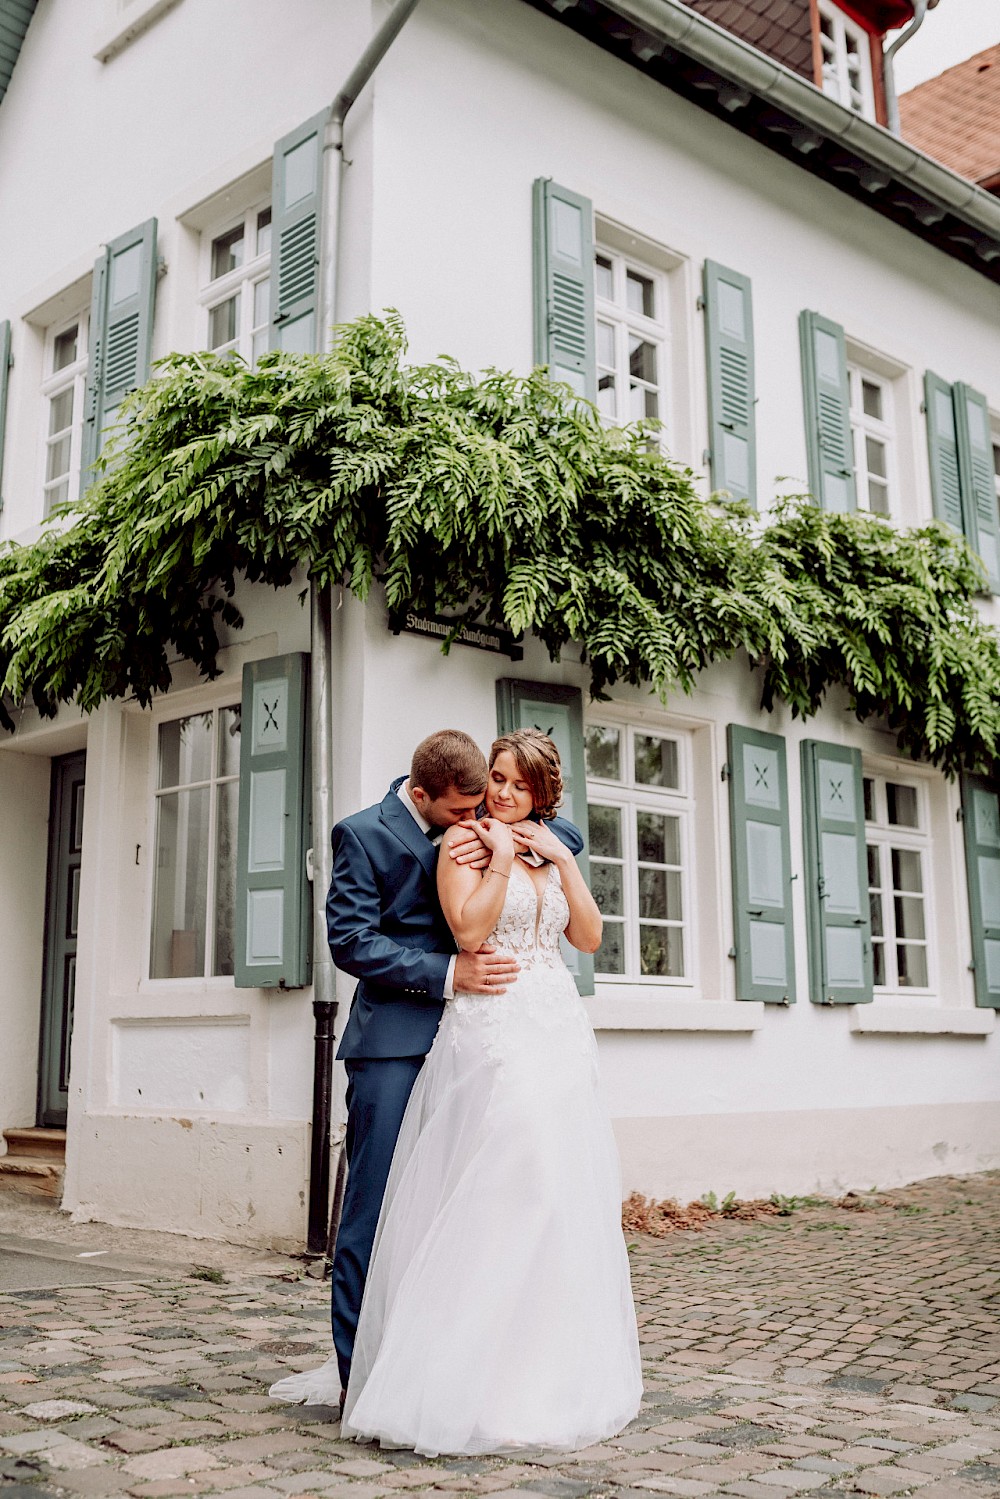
826, 1352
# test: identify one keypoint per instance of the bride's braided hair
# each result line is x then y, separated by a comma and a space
538, 764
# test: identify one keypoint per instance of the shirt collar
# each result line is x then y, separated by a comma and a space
421, 821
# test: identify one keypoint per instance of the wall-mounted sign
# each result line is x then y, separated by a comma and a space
481, 637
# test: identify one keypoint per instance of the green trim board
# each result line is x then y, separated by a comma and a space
841, 969
563, 258
731, 397
273, 905
558, 712
981, 827
761, 866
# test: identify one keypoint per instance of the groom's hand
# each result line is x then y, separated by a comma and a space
468, 848
484, 972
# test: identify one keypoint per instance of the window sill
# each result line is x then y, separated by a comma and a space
902, 1020
617, 1012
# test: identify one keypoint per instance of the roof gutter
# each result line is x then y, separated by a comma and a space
742, 74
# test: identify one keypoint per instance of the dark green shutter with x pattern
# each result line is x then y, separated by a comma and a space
837, 904
729, 350
273, 907
296, 237
565, 332
121, 333
826, 397
981, 823
762, 866
558, 712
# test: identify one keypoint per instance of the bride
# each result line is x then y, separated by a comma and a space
498, 1309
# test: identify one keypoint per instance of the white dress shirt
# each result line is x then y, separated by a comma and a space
421, 821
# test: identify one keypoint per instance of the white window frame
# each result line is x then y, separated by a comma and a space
884, 431
655, 330
55, 383
216, 705
241, 281
884, 835
631, 796
838, 86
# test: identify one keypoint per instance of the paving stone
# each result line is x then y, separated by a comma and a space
891, 1480
56, 1410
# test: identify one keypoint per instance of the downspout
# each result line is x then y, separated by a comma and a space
920, 9
324, 978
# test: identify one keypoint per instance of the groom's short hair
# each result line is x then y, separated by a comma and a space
445, 759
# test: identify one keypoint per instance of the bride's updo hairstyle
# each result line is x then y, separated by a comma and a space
538, 765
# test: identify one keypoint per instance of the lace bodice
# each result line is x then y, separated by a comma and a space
528, 929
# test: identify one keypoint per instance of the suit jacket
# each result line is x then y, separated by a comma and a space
385, 926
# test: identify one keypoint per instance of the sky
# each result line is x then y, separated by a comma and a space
954, 30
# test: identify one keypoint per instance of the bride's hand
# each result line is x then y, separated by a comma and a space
498, 839
538, 837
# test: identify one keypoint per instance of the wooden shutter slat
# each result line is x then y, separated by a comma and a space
840, 949
975, 467
273, 909
565, 333
558, 712
981, 827
942, 450
761, 860
296, 237
827, 402
730, 359
121, 333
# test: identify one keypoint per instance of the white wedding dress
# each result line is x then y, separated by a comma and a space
498, 1309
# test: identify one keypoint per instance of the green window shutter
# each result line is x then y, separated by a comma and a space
827, 401
975, 468
4, 374
981, 823
296, 237
121, 332
565, 333
762, 866
273, 908
840, 948
729, 340
558, 712
942, 450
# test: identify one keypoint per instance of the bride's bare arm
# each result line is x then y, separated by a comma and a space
584, 927
472, 901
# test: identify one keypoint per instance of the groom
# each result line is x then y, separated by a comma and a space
385, 927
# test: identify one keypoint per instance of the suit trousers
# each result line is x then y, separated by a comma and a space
378, 1089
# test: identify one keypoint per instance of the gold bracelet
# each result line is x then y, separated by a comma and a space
500, 872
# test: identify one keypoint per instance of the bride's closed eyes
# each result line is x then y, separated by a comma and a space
508, 796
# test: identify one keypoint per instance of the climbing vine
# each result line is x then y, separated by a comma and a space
500, 499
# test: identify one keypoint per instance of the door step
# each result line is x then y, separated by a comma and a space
35, 1162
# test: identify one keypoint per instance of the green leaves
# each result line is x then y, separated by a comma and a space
501, 500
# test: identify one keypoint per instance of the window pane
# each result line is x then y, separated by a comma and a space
180, 885
603, 753
909, 916
264, 231
186, 750
605, 826
912, 963
906, 870
875, 452
878, 956
223, 322
259, 346
57, 496
61, 411
603, 278
639, 294
875, 906
642, 403
261, 302
871, 398
874, 876
878, 497
656, 761
661, 951
606, 344
64, 348
229, 741
660, 894
606, 402
659, 838
869, 786
610, 956
641, 359
996, 459
57, 458
227, 252
225, 876
606, 886
902, 804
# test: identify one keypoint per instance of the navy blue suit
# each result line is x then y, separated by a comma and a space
386, 927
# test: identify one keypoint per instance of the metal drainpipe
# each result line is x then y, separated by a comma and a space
920, 9
320, 612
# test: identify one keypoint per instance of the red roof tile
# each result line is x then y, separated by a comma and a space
955, 117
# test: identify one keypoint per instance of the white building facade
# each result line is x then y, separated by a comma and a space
751, 1038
